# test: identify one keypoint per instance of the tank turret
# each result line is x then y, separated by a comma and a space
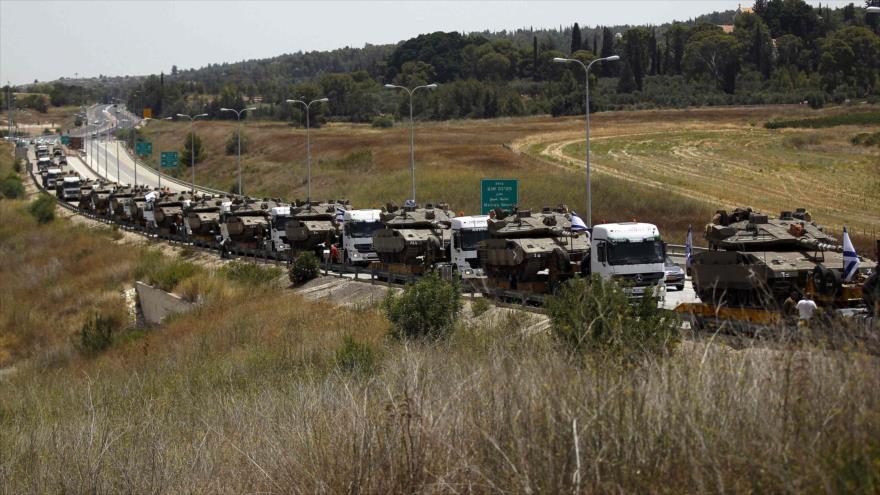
313, 224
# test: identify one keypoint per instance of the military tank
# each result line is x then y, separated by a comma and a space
758, 261
86, 187
202, 219
414, 236
312, 225
534, 250
245, 225
100, 198
167, 212
120, 196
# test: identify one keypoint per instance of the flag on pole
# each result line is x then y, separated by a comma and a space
340, 215
577, 225
688, 247
850, 258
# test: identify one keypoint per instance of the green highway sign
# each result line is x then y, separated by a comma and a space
168, 159
65, 139
143, 148
498, 193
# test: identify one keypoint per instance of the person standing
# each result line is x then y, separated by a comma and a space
806, 308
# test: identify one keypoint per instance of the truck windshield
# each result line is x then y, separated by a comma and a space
280, 222
635, 253
470, 239
364, 229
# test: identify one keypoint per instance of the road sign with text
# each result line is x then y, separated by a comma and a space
498, 193
144, 148
168, 159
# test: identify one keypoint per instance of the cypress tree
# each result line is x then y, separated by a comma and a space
607, 70
576, 39
534, 57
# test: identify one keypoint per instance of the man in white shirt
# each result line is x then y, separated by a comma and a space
806, 307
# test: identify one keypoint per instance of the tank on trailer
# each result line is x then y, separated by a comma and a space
414, 236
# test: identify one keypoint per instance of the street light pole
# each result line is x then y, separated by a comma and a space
587, 122
412, 153
238, 116
192, 146
308, 143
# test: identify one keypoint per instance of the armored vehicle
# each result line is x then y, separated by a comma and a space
758, 261
245, 225
167, 213
203, 219
537, 249
414, 236
311, 226
100, 198
121, 195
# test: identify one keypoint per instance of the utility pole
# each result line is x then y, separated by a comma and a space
412, 153
308, 143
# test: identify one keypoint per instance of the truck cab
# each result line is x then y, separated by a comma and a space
630, 253
69, 188
52, 175
278, 216
357, 236
467, 232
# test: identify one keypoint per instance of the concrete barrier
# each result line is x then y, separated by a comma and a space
156, 304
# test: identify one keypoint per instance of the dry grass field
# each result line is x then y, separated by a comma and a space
62, 117
257, 392
670, 167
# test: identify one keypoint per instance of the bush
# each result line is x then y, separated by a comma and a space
355, 357
383, 121
304, 268
232, 144
594, 315
427, 308
11, 187
816, 99
250, 274
43, 208
18, 166
853, 118
866, 139
163, 272
479, 306
96, 334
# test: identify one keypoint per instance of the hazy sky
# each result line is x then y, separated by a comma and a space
47, 40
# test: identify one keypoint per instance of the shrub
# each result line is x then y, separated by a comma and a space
383, 121
304, 268
250, 274
853, 118
43, 208
816, 99
479, 306
594, 315
11, 187
866, 139
97, 333
355, 357
427, 308
232, 144
163, 272
18, 166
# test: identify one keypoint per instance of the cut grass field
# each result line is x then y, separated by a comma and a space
258, 391
670, 167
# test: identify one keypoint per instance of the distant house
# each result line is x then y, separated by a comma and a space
744, 10
728, 28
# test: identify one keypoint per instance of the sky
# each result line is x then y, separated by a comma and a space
46, 40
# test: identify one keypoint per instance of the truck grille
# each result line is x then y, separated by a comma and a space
364, 248
640, 279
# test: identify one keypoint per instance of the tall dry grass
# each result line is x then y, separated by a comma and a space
245, 395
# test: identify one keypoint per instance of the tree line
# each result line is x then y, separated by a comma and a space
783, 51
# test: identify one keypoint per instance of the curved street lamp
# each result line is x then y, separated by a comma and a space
412, 153
192, 145
238, 116
559, 60
308, 142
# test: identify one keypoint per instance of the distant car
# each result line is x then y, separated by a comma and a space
674, 274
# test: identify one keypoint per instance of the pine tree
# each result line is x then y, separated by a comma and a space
192, 142
576, 39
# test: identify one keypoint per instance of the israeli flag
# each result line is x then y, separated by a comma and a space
688, 247
577, 225
340, 215
850, 258
410, 203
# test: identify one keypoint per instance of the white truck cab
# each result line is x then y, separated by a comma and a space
52, 175
357, 236
149, 214
279, 215
70, 188
632, 253
467, 232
